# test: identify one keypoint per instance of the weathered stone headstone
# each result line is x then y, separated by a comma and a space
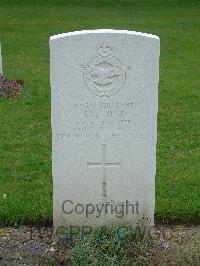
104, 127
1, 65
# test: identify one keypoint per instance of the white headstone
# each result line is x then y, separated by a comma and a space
1, 66
104, 127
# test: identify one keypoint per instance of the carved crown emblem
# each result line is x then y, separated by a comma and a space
104, 49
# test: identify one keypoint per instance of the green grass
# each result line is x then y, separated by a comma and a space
25, 134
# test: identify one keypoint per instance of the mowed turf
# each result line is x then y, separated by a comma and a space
25, 132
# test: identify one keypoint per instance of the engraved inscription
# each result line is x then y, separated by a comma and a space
104, 75
94, 120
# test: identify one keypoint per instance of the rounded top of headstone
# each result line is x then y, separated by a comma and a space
107, 31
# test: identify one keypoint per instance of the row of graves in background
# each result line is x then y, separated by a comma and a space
1, 65
8, 87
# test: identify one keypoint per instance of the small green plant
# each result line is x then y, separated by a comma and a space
9, 88
110, 247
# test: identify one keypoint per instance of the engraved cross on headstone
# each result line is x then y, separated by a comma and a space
104, 164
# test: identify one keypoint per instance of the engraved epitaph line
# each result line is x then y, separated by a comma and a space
103, 164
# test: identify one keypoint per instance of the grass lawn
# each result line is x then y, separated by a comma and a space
25, 133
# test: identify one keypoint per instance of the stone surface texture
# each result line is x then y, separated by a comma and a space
104, 127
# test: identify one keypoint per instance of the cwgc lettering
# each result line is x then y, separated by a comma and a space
104, 126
